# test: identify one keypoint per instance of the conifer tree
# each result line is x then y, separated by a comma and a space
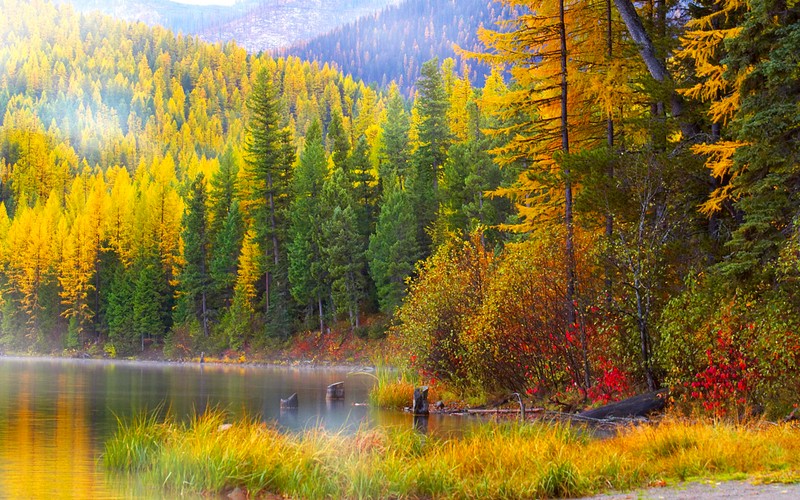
395, 148
269, 159
307, 270
763, 64
150, 300
338, 142
119, 311
344, 248
393, 247
365, 190
429, 158
225, 256
195, 277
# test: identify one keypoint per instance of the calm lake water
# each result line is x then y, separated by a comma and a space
56, 414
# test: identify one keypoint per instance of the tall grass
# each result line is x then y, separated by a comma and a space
391, 390
491, 460
394, 389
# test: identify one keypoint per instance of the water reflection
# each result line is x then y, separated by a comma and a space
55, 415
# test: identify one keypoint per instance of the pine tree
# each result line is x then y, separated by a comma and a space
429, 158
307, 270
149, 300
344, 248
395, 148
195, 277
763, 60
338, 143
119, 313
365, 188
393, 248
269, 159
225, 256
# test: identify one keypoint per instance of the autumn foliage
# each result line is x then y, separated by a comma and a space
476, 318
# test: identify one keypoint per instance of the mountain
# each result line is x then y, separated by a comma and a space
256, 25
393, 44
275, 24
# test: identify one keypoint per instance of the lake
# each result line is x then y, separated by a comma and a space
55, 414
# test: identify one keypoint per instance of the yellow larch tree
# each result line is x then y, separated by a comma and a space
703, 44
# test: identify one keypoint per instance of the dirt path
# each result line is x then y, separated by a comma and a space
714, 490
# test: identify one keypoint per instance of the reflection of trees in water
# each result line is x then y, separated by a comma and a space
47, 449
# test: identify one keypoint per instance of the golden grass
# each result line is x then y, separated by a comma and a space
391, 390
491, 460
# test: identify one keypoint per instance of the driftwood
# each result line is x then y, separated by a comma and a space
637, 406
498, 411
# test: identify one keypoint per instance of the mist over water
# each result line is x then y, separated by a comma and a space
55, 415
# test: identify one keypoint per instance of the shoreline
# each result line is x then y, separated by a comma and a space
213, 363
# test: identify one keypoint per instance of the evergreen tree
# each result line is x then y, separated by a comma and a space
338, 143
222, 191
344, 249
393, 247
469, 173
764, 59
307, 270
119, 311
365, 188
225, 256
149, 299
395, 149
434, 140
269, 161
195, 278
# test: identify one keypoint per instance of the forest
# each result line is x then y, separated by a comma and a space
614, 209
391, 45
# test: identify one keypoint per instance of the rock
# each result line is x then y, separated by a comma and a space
289, 403
439, 405
335, 391
224, 427
420, 403
237, 494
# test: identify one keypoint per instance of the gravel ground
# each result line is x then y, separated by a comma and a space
715, 490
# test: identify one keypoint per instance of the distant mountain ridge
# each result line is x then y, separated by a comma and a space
256, 25
393, 44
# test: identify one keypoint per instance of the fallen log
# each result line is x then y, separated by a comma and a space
636, 406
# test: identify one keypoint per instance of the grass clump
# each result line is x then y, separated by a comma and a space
491, 460
392, 390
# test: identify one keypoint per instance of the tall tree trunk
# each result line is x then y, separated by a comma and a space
570, 247
644, 338
655, 66
321, 317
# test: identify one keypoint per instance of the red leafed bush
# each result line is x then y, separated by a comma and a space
730, 376
612, 383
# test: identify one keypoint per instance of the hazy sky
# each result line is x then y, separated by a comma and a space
206, 2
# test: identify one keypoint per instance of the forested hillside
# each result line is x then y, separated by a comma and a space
392, 45
255, 25
153, 183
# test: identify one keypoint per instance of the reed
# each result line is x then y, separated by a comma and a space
490, 460
392, 390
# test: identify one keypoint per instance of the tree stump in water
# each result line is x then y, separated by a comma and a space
335, 391
289, 403
637, 406
420, 403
